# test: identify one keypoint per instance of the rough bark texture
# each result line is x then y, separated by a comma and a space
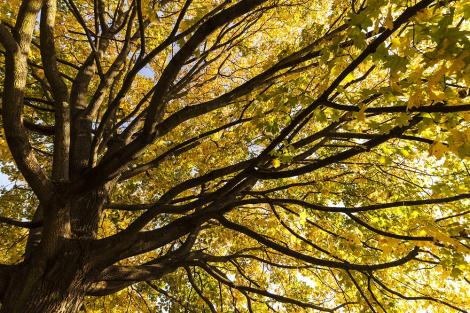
55, 285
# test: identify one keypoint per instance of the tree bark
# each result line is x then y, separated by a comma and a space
55, 286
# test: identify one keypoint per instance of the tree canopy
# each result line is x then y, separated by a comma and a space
234, 156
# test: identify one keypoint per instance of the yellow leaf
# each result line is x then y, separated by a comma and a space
303, 218
416, 75
466, 116
466, 76
394, 84
383, 160
389, 19
423, 15
467, 134
458, 63
276, 163
361, 181
415, 99
388, 245
438, 149
325, 191
361, 116
40, 73
436, 95
437, 76
376, 27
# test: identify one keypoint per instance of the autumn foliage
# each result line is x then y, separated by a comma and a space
234, 156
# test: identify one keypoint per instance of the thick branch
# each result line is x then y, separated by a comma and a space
13, 94
365, 208
60, 167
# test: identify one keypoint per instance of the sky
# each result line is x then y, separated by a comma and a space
3, 180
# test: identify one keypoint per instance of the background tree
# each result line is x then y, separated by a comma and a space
235, 156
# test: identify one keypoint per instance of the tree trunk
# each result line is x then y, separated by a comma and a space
52, 286
53, 278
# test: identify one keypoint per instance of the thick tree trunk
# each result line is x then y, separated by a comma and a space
54, 276
53, 286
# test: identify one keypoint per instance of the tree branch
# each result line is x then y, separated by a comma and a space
13, 94
312, 260
23, 224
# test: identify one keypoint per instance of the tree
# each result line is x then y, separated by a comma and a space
251, 155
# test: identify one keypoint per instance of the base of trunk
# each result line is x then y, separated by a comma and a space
56, 286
